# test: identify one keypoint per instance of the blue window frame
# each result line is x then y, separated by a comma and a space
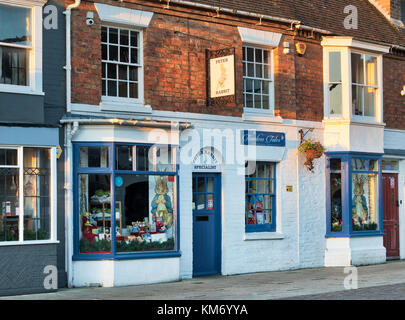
353, 194
260, 197
98, 177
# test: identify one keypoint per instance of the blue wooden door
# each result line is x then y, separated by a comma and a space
206, 224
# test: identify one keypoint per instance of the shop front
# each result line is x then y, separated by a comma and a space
126, 216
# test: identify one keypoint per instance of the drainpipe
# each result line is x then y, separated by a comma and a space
68, 147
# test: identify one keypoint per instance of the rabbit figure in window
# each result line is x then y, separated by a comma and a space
162, 210
359, 204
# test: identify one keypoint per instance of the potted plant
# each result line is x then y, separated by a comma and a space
312, 150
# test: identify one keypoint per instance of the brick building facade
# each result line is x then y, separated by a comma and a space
139, 79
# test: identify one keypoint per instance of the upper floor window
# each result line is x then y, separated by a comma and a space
353, 79
121, 62
258, 86
15, 43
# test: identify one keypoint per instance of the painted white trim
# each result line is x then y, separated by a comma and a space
352, 43
259, 37
26, 243
116, 14
9, 88
24, 3
259, 115
263, 236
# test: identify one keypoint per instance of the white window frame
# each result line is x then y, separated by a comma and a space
347, 45
52, 197
34, 50
121, 103
260, 111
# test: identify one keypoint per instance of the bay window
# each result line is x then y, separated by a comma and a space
353, 79
126, 199
354, 194
27, 188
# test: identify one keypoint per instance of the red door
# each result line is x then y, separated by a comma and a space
390, 215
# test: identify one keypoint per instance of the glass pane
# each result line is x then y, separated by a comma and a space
357, 100
94, 157
357, 68
266, 55
111, 71
364, 165
267, 71
210, 184
249, 101
104, 52
123, 89
210, 201
266, 102
15, 25
134, 39
103, 34
250, 70
37, 194
259, 55
201, 201
134, 55
13, 66
249, 85
123, 72
335, 67
165, 158
124, 157
113, 53
9, 201
258, 101
133, 73
133, 90
335, 164
95, 213
335, 98
369, 101
113, 33
112, 88
145, 213
336, 201
259, 70
124, 54
258, 86
144, 158
103, 87
390, 165
124, 37
250, 54
371, 69
200, 184
8, 157
365, 202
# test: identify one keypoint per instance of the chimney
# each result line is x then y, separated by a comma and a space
390, 8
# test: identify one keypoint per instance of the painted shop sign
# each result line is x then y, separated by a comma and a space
206, 160
221, 70
263, 138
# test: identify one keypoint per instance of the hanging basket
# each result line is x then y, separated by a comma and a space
312, 150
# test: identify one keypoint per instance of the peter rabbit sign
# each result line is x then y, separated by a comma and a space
221, 74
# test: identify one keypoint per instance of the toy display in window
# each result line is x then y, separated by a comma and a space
255, 206
162, 210
336, 202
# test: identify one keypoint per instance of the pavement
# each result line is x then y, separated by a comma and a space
383, 281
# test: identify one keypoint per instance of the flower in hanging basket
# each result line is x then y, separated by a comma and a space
313, 150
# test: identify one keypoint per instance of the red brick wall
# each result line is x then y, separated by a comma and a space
394, 103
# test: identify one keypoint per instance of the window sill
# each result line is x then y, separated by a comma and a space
126, 256
124, 105
9, 88
251, 236
25, 243
260, 116
355, 120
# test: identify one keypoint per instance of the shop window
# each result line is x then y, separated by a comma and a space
132, 207
31, 180
258, 86
354, 195
390, 165
260, 197
94, 157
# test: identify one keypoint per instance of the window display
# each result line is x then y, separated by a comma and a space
132, 206
260, 196
365, 195
35, 190
336, 195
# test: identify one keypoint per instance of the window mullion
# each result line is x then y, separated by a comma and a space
21, 194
